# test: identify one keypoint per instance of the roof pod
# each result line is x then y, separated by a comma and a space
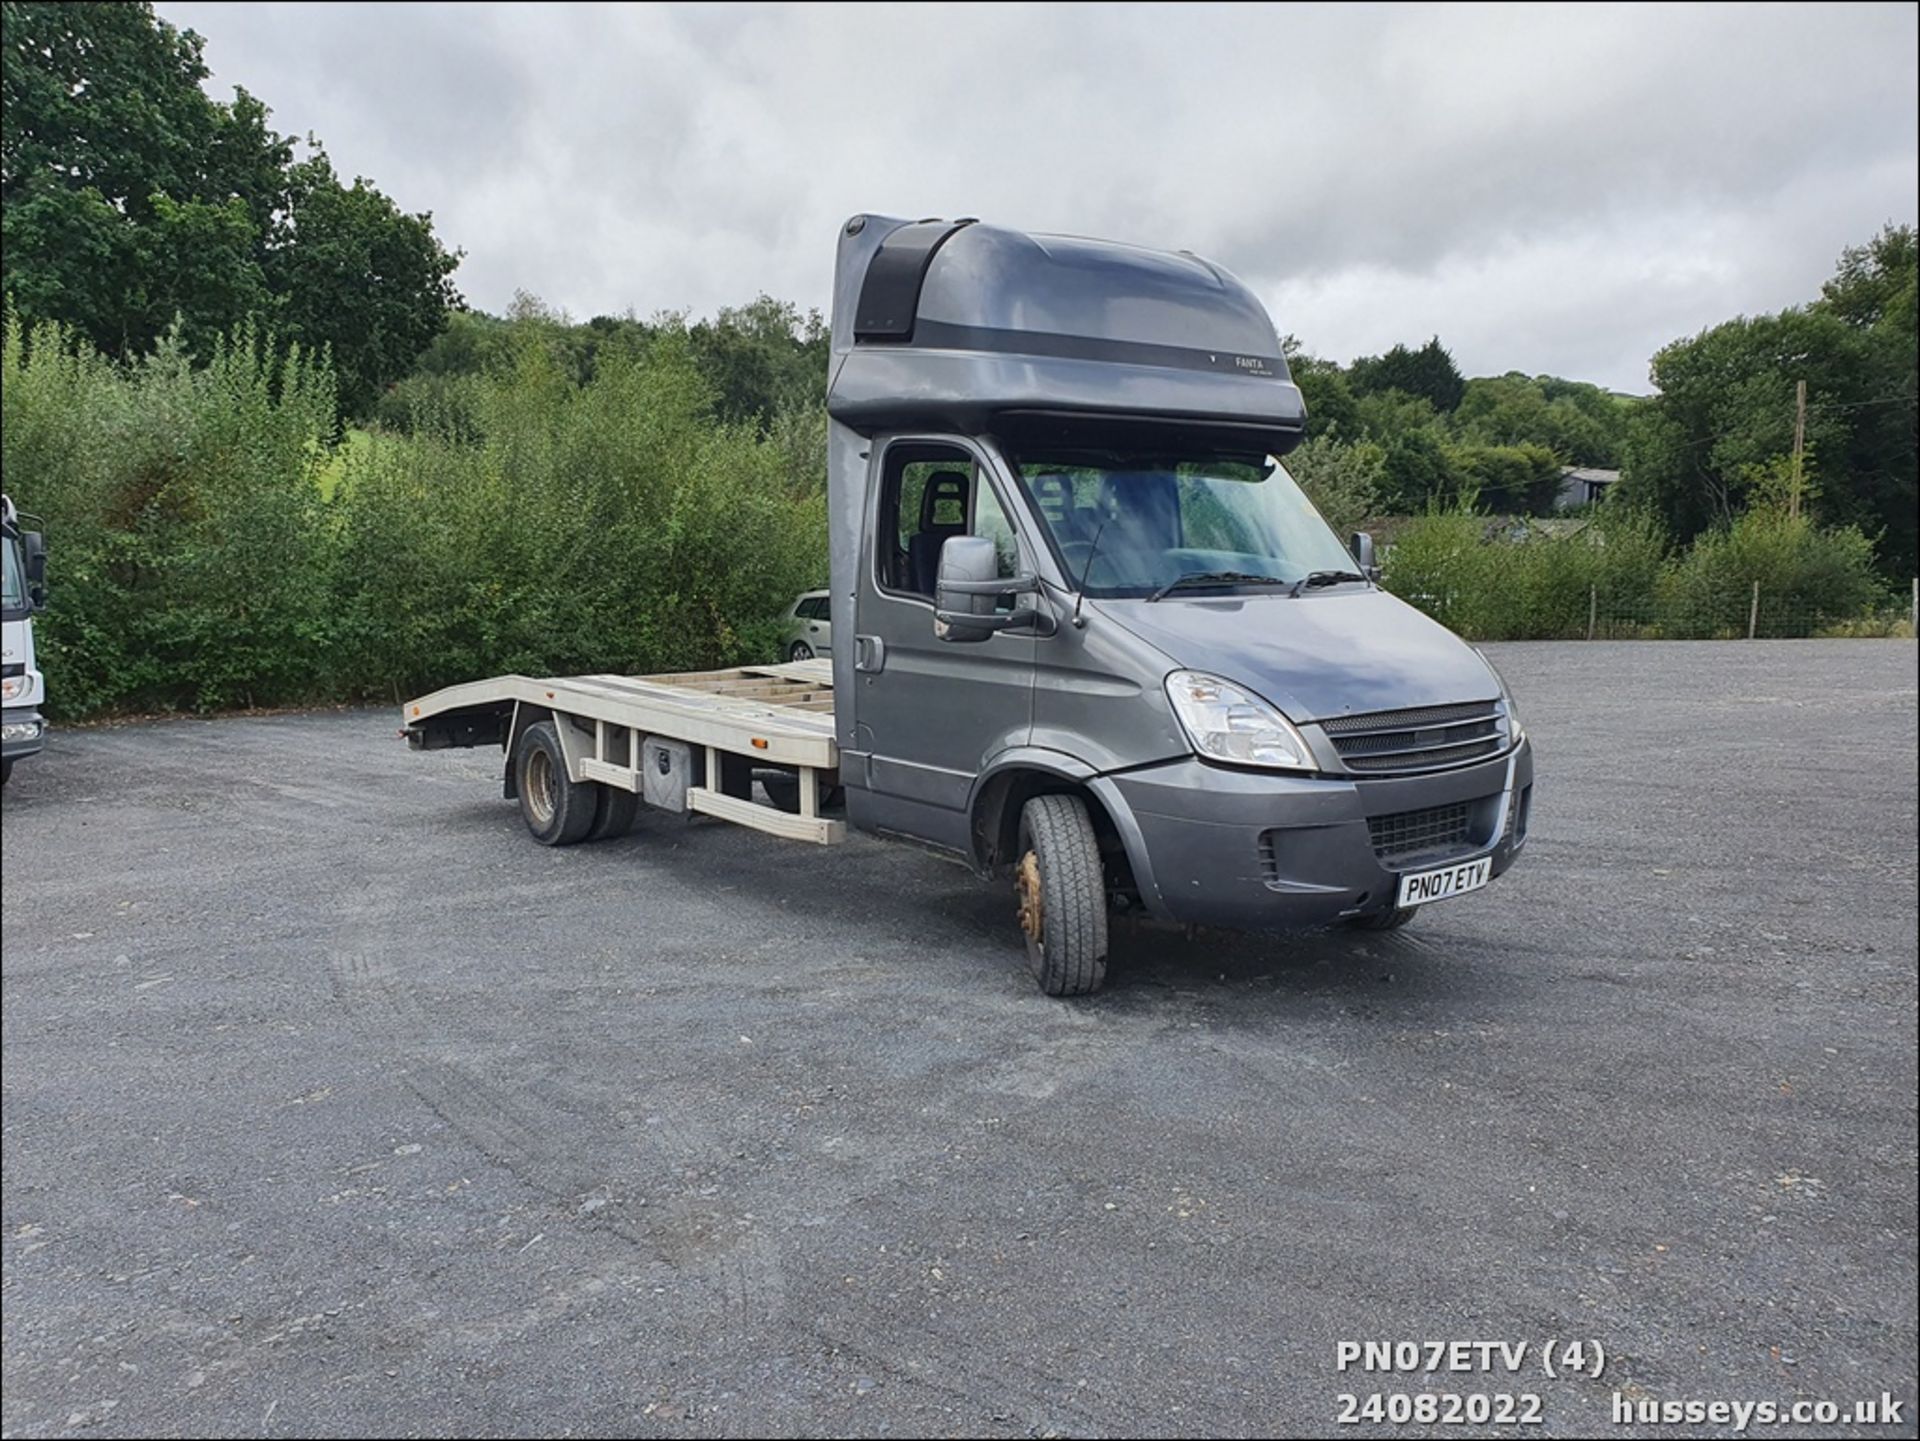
961, 324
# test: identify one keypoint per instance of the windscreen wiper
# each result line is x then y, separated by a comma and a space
1315, 578
1215, 577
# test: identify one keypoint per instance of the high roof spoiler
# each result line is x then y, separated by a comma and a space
962, 324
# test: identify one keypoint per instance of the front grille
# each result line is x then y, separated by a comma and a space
1437, 831
1425, 738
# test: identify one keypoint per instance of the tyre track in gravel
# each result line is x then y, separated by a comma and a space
648, 1201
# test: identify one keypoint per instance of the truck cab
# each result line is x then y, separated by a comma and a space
24, 559
1093, 635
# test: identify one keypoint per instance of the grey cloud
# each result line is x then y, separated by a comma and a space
1552, 189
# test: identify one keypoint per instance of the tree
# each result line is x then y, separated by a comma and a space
1876, 291
359, 277
1416, 472
1331, 407
1875, 281
1342, 480
1726, 407
1428, 371
1582, 424
1509, 479
131, 200
129, 197
762, 358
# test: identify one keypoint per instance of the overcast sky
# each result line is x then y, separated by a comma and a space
1553, 190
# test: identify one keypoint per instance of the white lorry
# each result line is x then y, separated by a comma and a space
21, 687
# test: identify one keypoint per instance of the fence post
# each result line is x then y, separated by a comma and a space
1753, 615
1913, 615
1593, 608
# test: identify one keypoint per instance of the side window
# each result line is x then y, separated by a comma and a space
925, 495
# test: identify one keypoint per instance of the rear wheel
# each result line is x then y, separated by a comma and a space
557, 811
783, 791
800, 650
613, 813
1060, 887
1383, 920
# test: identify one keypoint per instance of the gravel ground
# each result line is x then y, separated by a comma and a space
335, 1105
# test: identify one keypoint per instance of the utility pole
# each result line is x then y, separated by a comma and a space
1799, 444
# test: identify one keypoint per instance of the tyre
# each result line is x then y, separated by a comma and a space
799, 650
557, 812
613, 813
1061, 890
1383, 920
6, 772
783, 792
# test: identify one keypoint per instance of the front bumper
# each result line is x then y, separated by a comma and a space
22, 733
1254, 851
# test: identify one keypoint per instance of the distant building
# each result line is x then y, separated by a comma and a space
1581, 485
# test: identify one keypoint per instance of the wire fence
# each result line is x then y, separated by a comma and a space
1748, 613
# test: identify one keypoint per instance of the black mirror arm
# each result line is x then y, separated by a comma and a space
1036, 622
1023, 584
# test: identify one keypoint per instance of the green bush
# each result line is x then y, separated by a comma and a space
612, 526
1473, 574
190, 545
1810, 578
214, 544
1468, 572
1343, 481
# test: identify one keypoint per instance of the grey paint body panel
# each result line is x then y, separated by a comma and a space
1020, 322
1006, 324
1345, 650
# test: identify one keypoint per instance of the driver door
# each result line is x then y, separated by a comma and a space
929, 714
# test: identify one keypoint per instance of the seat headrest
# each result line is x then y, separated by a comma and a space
942, 485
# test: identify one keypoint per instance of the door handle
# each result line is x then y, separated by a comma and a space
869, 654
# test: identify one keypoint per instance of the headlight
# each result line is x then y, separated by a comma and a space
1226, 723
13, 687
1518, 732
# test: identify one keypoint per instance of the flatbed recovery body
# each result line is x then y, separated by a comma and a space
735, 720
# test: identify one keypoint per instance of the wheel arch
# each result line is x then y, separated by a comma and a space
576, 741
1016, 777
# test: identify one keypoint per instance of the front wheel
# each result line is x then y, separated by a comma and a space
1061, 890
800, 650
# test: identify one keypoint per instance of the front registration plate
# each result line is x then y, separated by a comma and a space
1423, 886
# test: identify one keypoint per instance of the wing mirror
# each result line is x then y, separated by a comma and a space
967, 595
33, 555
1361, 544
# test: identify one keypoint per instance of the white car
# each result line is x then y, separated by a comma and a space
808, 629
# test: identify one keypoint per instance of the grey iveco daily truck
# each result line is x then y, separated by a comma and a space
1089, 634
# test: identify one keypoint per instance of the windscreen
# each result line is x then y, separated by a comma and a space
1128, 524
15, 598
